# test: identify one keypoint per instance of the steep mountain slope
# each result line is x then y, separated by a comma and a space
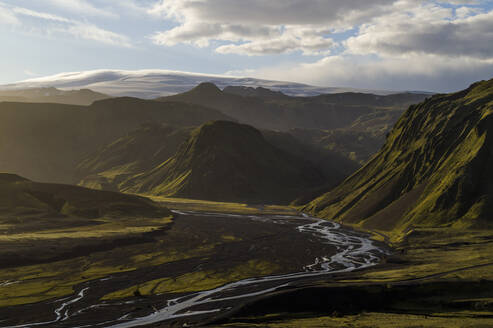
434, 170
228, 161
82, 97
270, 110
45, 142
111, 166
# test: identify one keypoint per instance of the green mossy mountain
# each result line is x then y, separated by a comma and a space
114, 166
23, 199
227, 161
434, 170
265, 109
45, 142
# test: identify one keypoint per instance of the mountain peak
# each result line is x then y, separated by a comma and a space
206, 88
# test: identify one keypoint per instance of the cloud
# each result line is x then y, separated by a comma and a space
36, 14
95, 33
413, 72
7, 17
258, 27
30, 73
62, 25
426, 29
81, 7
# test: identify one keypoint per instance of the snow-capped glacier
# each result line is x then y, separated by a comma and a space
150, 84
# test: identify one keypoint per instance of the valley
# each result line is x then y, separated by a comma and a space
188, 269
183, 215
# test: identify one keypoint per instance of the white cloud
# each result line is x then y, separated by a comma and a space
81, 7
257, 27
95, 33
36, 14
30, 73
61, 25
7, 17
426, 29
293, 38
412, 72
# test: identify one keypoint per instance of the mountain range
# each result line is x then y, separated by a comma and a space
273, 110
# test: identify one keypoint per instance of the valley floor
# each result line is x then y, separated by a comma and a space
439, 278
94, 273
69, 274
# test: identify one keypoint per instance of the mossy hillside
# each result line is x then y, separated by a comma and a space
433, 170
227, 161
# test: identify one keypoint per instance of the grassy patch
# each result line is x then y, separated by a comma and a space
197, 281
221, 207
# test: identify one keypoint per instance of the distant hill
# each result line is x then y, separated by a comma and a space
228, 161
434, 170
52, 95
46, 142
22, 198
266, 109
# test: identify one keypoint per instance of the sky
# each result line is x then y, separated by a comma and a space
439, 45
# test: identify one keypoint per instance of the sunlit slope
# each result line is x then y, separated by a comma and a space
434, 170
112, 166
227, 161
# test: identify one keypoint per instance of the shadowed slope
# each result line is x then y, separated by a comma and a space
45, 142
434, 170
24, 200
